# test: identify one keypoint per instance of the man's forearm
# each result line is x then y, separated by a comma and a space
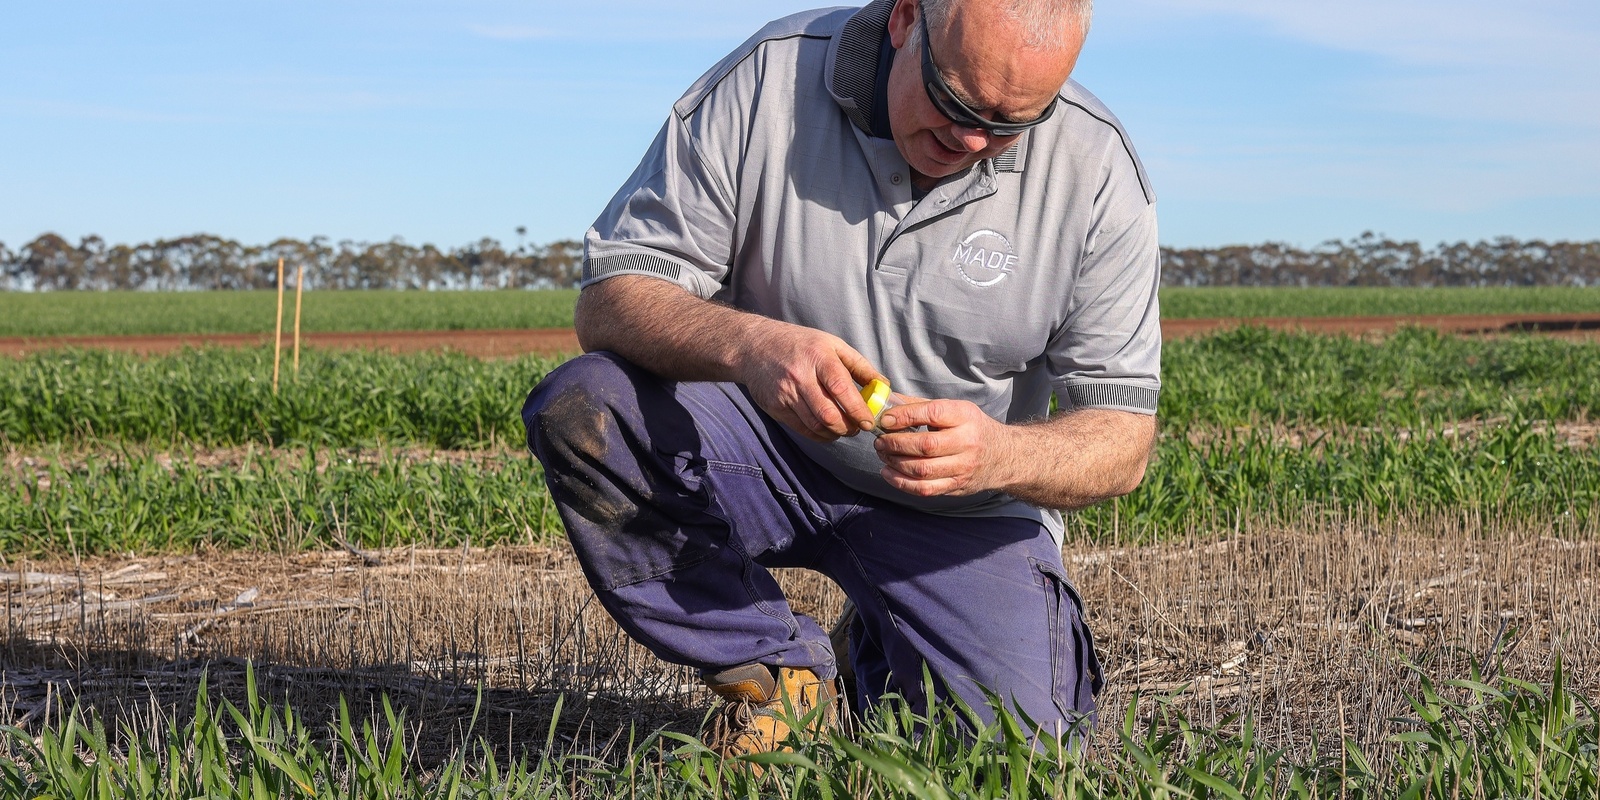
663, 328
804, 378
1077, 459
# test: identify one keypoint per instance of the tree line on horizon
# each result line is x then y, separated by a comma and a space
206, 262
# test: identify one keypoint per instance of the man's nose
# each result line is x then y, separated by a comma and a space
971, 139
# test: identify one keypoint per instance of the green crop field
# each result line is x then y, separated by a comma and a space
1210, 302
1452, 484
1503, 739
1255, 422
126, 502
222, 397
128, 313
272, 501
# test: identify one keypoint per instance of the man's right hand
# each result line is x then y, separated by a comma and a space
808, 380
802, 377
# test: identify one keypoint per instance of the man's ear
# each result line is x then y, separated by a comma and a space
901, 18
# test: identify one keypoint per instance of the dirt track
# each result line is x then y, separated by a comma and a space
555, 341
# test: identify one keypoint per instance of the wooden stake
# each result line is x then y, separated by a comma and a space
277, 331
299, 281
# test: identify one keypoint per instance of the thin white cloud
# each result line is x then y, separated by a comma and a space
1529, 64
1534, 33
101, 113
511, 33
1493, 96
1461, 174
638, 21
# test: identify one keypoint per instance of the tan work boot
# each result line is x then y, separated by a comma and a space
753, 721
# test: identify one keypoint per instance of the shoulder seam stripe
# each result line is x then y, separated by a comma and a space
1144, 184
735, 65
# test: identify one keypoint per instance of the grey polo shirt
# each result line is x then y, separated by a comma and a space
1030, 274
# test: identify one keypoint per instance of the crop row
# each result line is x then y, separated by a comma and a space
1329, 301
278, 501
129, 313
126, 313
225, 397
1415, 378
1514, 469
275, 502
1248, 376
1496, 738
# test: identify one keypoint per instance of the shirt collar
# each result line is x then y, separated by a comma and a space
853, 64
880, 91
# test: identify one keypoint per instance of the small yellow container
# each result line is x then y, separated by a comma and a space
876, 395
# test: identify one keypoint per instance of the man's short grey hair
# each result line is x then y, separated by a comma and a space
1042, 21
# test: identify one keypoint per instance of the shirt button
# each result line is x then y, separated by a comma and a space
895, 179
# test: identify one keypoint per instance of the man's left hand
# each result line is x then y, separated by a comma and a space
962, 451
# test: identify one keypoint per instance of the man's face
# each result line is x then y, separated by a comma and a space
982, 58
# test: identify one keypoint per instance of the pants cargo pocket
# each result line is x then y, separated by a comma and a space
629, 531
650, 546
1074, 664
761, 516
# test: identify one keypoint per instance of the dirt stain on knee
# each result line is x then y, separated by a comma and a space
575, 420
579, 429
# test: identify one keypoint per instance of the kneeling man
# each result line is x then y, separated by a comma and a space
912, 191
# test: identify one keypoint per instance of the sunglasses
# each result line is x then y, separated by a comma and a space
945, 100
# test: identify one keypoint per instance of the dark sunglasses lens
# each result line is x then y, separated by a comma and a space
1015, 128
955, 110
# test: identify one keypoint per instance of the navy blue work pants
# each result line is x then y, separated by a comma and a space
677, 498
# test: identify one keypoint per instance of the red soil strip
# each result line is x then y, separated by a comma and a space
559, 341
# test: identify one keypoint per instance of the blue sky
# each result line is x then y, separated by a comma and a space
1288, 120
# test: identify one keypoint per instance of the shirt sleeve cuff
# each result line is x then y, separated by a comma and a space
1116, 396
601, 267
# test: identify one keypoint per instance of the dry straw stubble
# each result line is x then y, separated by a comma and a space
1316, 631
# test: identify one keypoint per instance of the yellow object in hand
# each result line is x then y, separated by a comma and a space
876, 395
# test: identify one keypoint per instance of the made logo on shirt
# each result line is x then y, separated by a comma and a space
984, 258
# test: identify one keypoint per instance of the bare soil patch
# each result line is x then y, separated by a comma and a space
1582, 434
563, 341
1318, 630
